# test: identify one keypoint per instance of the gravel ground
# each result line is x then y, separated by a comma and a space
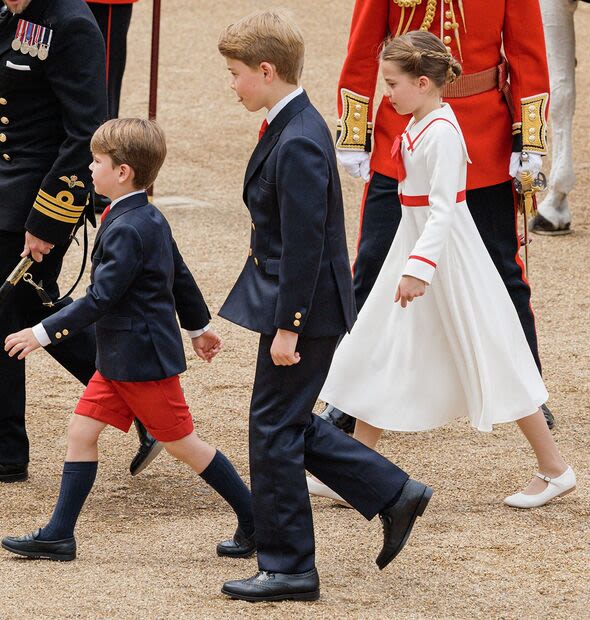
146, 545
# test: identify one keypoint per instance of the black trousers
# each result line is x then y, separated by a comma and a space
494, 211
113, 21
286, 439
24, 309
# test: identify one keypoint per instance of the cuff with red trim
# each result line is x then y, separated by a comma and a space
421, 268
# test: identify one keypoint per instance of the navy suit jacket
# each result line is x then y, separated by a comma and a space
297, 275
139, 283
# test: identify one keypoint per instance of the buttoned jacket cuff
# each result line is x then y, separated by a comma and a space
293, 322
41, 335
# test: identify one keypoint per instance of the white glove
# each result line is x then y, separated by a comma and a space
533, 165
356, 163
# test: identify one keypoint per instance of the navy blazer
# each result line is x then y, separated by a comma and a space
139, 283
297, 275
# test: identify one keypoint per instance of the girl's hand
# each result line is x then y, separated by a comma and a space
283, 346
408, 289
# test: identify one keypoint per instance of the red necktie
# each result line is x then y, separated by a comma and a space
105, 213
263, 128
398, 160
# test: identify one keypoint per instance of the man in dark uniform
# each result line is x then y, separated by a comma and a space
52, 98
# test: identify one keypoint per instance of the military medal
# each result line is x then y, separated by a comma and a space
46, 36
33, 50
16, 43
24, 48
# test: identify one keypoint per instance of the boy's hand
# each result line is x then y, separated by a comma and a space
23, 342
282, 349
207, 345
408, 289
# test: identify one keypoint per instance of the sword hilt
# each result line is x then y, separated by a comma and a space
14, 277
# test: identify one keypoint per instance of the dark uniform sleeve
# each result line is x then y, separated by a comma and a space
75, 70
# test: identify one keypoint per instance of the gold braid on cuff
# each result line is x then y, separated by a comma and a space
534, 126
354, 130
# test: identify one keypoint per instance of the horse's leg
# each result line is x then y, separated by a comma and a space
558, 20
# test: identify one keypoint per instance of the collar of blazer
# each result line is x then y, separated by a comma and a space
272, 134
137, 200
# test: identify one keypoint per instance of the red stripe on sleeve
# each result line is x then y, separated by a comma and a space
424, 260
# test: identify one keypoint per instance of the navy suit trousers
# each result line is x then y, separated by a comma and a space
286, 438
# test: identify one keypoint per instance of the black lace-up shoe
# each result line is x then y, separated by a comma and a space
267, 586
398, 520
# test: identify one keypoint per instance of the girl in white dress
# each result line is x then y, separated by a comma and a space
439, 338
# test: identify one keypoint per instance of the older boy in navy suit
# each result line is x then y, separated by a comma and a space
296, 291
139, 283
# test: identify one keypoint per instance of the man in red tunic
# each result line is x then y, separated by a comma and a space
504, 126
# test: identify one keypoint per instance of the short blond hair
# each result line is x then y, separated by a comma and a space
137, 142
266, 36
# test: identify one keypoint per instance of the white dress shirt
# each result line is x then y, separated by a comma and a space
277, 107
41, 334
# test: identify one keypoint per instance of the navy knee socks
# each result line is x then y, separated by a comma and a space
76, 483
221, 475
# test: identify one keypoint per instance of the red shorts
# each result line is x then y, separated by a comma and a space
159, 405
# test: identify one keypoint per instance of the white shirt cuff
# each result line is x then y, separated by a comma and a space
195, 333
41, 335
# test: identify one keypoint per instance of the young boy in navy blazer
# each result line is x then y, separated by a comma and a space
139, 283
296, 291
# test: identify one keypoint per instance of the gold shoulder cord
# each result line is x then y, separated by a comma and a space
450, 24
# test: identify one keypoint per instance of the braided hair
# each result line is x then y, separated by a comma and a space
422, 53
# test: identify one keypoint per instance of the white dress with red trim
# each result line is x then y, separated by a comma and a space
457, 351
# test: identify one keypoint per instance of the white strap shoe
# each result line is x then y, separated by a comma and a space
556, 487
319, 489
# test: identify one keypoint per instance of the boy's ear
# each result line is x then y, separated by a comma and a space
126, 173
269, 70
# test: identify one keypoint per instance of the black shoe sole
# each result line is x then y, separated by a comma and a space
242, 554
148, 460
14, 477
39, 555
293, 596
420, 508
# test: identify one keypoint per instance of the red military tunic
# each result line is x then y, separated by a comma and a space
484, 118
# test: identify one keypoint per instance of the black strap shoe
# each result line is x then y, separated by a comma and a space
549, 417
240, 546
149, 448
339, 419
267, 586
28, 546
13, 472
398, 520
